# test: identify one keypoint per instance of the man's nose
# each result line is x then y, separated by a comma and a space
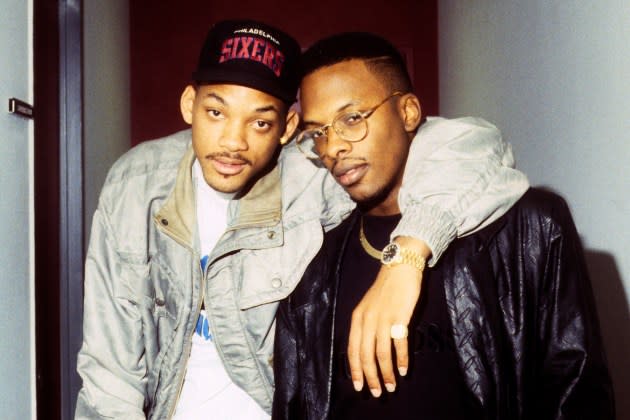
233, 137
336, 145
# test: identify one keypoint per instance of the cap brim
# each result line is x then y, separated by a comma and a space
242, 77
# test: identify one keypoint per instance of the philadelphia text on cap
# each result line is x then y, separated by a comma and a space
256, 31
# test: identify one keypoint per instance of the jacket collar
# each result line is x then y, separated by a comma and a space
260, 206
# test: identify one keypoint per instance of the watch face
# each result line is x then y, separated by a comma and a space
389, 253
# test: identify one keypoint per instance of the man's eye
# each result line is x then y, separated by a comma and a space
213, 112
262, 124
353, 118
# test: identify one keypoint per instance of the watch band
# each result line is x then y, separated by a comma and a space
413, 258
392, 253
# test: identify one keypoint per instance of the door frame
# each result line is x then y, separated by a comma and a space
58, 203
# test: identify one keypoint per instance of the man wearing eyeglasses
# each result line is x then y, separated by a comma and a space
506, 325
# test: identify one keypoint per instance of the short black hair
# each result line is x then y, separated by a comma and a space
378, 54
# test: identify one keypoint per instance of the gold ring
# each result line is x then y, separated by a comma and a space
398, 331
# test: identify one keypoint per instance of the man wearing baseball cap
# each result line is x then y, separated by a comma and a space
199, 235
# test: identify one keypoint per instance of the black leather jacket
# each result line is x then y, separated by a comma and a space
523, 316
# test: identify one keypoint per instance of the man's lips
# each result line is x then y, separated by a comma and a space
226, 165
348, 173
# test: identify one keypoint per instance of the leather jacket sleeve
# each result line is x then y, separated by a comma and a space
574, 380
526, 327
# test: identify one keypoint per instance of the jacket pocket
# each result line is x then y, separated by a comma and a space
269, 275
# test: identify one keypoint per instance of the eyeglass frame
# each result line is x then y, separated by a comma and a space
324, 128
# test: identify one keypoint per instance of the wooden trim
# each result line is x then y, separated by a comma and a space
58, 204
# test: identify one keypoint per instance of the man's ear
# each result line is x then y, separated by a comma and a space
292, 122
187, 102
411, 111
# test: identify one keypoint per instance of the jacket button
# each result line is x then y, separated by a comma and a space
271, 234
164, 222
275, 283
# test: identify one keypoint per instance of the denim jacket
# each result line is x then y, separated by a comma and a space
144, 286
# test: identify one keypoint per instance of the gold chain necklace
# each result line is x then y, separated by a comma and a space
367, 247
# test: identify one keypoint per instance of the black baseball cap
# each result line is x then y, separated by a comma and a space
252, 54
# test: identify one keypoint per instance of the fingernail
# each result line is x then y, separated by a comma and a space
376, 392
390, 387
358, 385
402, 370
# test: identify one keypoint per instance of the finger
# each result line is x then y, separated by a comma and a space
368, 357
354, 347
384, 357
401, 346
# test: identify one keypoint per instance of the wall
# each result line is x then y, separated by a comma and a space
17, 380
106, 94
166, 39
556, 79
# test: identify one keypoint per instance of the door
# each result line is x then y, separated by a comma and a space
17, 381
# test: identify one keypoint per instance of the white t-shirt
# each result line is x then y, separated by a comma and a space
208, 391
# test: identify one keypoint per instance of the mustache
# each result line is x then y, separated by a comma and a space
229, 156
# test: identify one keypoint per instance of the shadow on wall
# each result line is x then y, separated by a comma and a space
614, 318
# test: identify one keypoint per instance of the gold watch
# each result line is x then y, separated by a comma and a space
395, 254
